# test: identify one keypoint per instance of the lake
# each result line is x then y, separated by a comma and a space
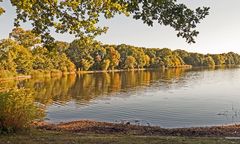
167, 98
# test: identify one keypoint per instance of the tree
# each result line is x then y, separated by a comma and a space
113, 56
233, 58
177, 61
139, 56
147, 59
50, 60
25, 38
59, 46
208, 61
195, 59
182, 54
15, 57
99, 53
130, 62
23, 60
157, 62
81, 17
80, 50
6, 58
86, 63
164, 52
105, 64
61, 62
218, 59
41, 59
124, 51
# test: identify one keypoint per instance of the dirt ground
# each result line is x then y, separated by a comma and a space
86, 126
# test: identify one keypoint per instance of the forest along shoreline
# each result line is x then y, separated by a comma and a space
86, 54
49, 74
60, 74
93, 127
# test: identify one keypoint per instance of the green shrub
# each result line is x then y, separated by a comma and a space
17, 110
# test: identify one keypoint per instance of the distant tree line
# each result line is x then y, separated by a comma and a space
23, 53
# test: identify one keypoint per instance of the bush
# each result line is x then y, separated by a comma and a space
17, 110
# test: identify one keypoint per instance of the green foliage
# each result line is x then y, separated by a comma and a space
105, 64
232, 58
208, 61
41, 59
130, 62
59, 46
169, 13
113, 57
87, 54
218, 59
140, 57
25, 38
195, 59
157, 62
99, 54
81, 17
23, 61
22, 55
76, 17
15, 57
164, 52
81, 52
17, 110
182, 54
147, 60
61, 62
86, 63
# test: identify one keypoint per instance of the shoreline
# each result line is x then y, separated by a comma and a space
22, 77
136, 69
95, 127
57, 74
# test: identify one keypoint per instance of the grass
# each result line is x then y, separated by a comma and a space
51, 137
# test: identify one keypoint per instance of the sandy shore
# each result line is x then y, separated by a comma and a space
86, 126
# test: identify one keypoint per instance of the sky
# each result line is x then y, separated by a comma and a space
219, 32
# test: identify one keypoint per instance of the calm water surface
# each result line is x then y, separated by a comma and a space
170, 98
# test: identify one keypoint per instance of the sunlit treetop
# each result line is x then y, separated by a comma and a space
26, 38
80, 17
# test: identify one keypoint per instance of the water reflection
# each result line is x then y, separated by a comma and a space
86, 87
